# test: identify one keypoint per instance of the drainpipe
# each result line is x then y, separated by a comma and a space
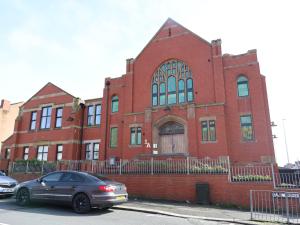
107, 83
81, 129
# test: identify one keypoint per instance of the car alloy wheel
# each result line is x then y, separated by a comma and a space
23, 197
81, 203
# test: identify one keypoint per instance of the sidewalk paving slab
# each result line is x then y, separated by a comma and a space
187, 210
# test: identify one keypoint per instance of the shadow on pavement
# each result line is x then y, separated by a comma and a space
9, 204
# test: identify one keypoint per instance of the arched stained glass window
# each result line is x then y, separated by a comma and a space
171, 90
154, 95
162, 93
115, 104
173, 78
181, 91
190, 90
242, 86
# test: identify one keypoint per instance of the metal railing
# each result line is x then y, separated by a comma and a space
287, 180
251, 173
151, 166
275, 206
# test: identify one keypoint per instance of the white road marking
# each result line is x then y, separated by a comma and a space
4, 224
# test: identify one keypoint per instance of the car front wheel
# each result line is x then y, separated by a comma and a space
81, 203
23, 197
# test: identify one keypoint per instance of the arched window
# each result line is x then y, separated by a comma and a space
162, 93
242, 86
171, 90
115, 104
154, 95
181, 90
167, 77
190, 91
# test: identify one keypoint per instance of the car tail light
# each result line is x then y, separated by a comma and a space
105, 188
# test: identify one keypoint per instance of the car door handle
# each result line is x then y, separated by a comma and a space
74, 186
52, 187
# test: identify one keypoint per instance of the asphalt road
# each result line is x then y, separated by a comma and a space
40, 214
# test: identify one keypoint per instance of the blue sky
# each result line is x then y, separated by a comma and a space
76, 44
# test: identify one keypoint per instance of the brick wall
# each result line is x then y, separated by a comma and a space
183, 187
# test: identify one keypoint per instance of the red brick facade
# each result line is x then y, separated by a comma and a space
214, 100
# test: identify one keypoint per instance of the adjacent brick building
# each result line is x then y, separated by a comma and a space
179, 97
8, 114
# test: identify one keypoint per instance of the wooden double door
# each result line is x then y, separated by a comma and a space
172, 139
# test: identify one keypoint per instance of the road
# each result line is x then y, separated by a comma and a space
41, 214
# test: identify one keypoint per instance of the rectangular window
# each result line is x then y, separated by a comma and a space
90, 117
98, 114
113, 137
204, 131
46, 117
33, 120
42, 153
59, 152
208, 128
92, 151
58, 117
7, 153
96, 151
132, 136
212, 130
136, 136
246, 127
88, 151
26, 153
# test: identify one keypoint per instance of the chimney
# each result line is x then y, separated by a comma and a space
5, 105
129, 65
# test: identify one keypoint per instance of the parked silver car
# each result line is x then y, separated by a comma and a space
79, 189
7, 185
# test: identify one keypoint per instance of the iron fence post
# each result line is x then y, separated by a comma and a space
120, 172
229, 169
273, 175
287, 208
42, 167
151, 165
188, 165
11, 168
26, 170
251, 204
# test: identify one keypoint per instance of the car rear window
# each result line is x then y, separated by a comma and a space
99, 177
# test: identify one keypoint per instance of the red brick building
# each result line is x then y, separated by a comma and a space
179, 97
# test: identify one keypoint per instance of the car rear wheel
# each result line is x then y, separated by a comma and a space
23, 197
81, 203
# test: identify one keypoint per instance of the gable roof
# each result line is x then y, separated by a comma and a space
49, 84
168, 24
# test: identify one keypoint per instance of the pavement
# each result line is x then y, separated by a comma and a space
188, 210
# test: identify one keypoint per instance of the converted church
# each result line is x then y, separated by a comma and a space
179, 97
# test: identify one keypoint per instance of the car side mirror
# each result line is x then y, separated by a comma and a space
39, 180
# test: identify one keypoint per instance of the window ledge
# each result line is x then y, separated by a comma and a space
44, 129
249, 141
135, 146
93, 126
209, 142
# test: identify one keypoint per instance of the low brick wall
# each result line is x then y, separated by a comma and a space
183, 187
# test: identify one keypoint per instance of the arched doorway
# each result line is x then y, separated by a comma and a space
172, 138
